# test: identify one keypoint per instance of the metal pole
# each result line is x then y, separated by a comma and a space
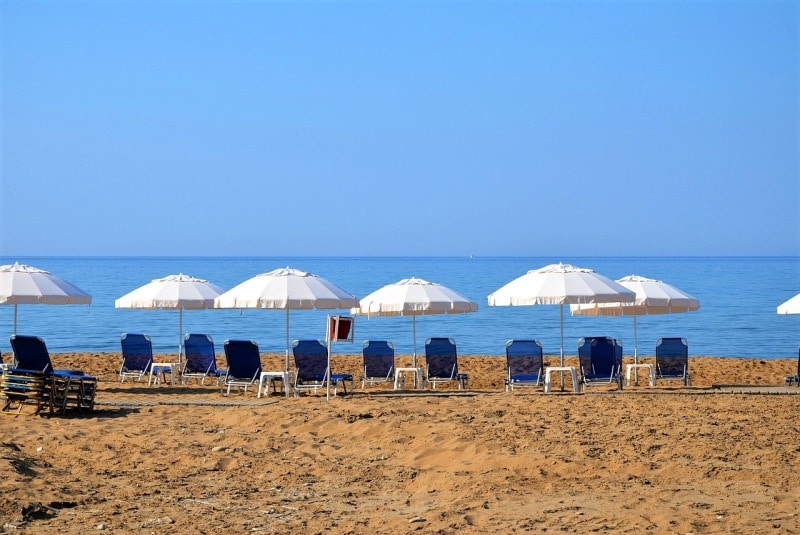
561, 308
414, 330
329, 336
180, 338
635, 349
328, 373
286, 364
562, 334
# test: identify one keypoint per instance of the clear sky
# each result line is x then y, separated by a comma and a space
400, 128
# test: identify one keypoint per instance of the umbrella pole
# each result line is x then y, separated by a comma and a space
414, 331
328, 373
286, 369
635, 350
561, 308
15, 318
180, 338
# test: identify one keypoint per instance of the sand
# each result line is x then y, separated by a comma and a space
188, 459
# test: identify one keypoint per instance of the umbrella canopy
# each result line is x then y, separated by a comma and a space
652, 297
173, 292
560, 284
792, 306
286, 289
414, 297
21, 284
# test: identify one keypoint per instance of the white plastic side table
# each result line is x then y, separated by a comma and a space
170, 365
572, 371
263, 381
398, 373
651, 373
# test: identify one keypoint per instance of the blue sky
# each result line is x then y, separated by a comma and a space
400, 128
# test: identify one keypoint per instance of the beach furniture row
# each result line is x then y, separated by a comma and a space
311, 371
600, 364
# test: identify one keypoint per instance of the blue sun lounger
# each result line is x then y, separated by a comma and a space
378, 358
311, 367
201, 359
600, 359
441, 362
524, 363
672, 360
244, 364
33, 379
137, 358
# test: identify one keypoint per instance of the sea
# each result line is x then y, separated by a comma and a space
737, 316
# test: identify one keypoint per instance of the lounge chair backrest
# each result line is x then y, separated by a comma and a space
441, 357
672, 356
597, 355
137, 352
200, 354
378, 358
524, 357
244, 359
30, 353
310, 360
618, 353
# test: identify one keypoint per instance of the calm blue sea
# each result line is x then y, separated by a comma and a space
737, 317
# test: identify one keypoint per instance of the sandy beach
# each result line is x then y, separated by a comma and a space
188, 459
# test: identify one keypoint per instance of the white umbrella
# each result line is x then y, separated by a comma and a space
792, 306
560, 284
286, 289
173, 292
21, 284
414, 297
652, 297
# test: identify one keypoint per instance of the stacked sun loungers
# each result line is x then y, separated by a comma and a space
54, 392
33, 381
